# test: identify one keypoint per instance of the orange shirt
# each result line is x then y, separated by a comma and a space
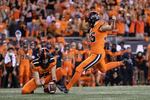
58, 26
3, 50
147, 12
67, 56
73, 51
113, 13
118, 1
52, 28
148, 19
63, 26
21, 1
148, 55
87, 53
23, 55
2, 27
68, 60
132, 27
139, 27
67, 14
79, 55
120, 27
16, 14
97, 38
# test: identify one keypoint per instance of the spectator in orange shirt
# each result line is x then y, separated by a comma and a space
132, 28
25, 56
120, 26
140, 28
3, 26
51, 30
87, 78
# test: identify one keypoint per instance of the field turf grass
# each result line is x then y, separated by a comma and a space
83, 93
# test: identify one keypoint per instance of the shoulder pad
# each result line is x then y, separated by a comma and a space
36, 62
51, 60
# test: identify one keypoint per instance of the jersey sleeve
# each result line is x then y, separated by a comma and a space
36, 62
52, 61
103, 26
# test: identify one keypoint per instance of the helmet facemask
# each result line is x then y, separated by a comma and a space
44, 55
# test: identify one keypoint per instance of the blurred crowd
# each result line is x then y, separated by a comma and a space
28, 25
68, 17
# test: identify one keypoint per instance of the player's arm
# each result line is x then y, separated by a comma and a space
107, 27
53, 71
35, 73
38, 81
52, 66
52, 62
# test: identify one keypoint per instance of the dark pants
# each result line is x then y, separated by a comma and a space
127, 76
5, 79
74, 69
110, 79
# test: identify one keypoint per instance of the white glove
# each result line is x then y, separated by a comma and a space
114, 17
42, 81
37, 79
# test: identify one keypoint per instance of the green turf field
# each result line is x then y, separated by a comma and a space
83, 93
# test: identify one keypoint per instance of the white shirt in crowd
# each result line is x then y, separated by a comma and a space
10, 57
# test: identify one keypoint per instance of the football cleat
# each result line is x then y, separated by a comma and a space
61, 85
62, 88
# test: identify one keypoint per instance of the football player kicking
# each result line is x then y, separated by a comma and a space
98, 33
44, 72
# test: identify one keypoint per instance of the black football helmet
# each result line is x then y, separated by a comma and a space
44, 57
92, 18
25, 45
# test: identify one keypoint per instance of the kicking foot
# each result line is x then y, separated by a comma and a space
62, 88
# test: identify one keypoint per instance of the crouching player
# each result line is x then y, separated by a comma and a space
44, 72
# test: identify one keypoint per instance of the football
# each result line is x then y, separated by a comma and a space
50, 88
